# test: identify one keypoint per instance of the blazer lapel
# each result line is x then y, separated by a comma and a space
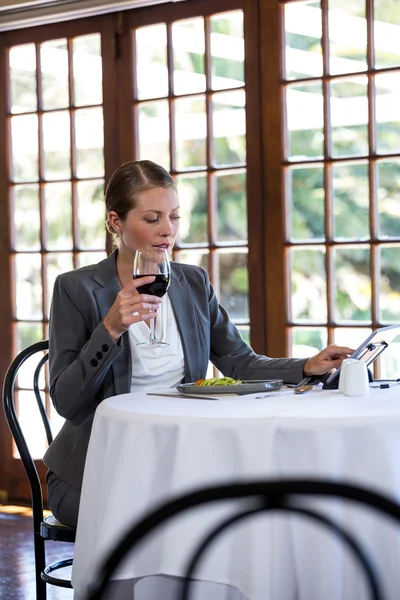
182, 305
107, 278
183, 308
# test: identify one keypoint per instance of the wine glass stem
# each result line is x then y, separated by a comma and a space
153, 338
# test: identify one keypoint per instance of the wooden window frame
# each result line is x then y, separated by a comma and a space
11, 471
273, 119
119, 148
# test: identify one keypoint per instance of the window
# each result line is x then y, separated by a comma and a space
189, 102
179, 100
341, 84
55, 123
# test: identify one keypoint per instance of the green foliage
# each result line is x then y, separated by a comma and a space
191, 153
386, 11
351, 218
239, 280
232, 208
149, 109
234, 284
57, 164
222, 24
23, 92
307, 192
230, 150
303, 42
92, 216
58, 211
26, 217
351, 201
227, 68
193, 60
347, 310
245, 333
310, 337
306, 143
27, 334
350, 141
193, 198
389, 137
389, 198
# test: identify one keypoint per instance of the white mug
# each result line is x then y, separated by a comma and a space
342, 376
356, 381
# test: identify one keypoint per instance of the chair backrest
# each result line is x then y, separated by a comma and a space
271, 495
8, 396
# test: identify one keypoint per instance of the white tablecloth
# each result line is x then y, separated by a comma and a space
146, 449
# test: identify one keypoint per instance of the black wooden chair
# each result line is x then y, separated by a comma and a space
272, 495
48, 528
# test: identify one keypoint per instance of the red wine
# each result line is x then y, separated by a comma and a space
158, 287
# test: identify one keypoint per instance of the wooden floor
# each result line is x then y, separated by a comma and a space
17, 575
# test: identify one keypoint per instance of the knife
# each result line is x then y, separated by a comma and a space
199, 397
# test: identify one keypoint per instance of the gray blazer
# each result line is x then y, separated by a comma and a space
87, 365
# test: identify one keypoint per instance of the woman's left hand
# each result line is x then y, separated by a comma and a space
329, 358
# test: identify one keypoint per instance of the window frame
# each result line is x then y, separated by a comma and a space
119, 147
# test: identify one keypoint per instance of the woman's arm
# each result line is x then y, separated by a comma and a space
81, 346
77, 338
228, 351
234, 358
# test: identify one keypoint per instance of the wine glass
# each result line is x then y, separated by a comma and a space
152, 261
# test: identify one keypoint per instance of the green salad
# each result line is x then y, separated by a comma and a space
218, 381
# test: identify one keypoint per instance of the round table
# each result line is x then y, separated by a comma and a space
147, 449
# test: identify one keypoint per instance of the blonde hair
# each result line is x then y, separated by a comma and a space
127, 182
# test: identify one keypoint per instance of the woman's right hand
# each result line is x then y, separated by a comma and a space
131, 307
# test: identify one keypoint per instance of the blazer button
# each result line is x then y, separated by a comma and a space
104, 348
99, 355
94, 362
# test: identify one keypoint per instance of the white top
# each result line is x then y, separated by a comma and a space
157, 367
144, 450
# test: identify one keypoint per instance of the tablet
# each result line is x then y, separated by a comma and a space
367, 352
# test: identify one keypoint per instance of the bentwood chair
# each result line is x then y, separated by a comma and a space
44, 528
271, 495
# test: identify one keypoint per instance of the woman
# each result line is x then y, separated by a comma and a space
98, 316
